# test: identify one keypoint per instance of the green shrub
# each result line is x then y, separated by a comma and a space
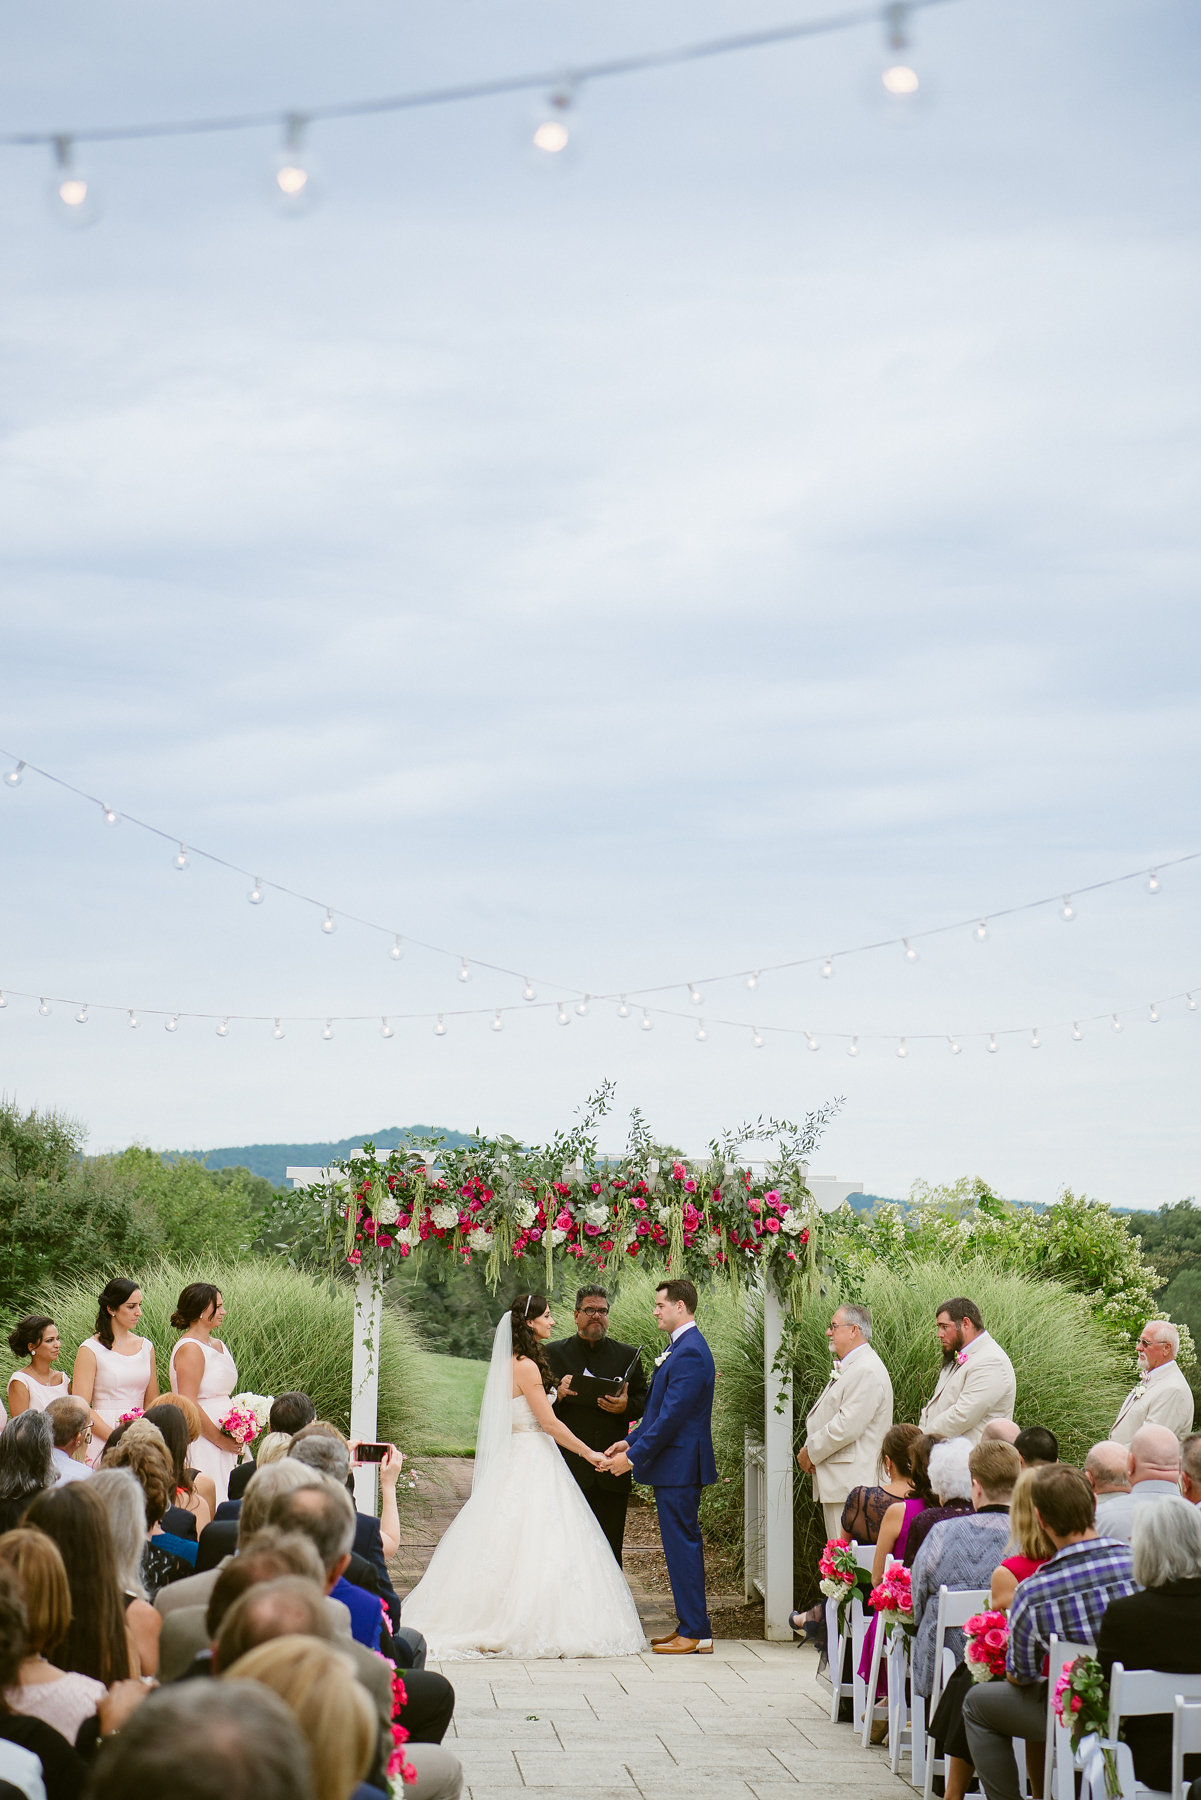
211, 1213
285, 1328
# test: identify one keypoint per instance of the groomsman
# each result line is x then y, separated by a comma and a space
845, 1429
594, 1419
1163, 1396
977, 1381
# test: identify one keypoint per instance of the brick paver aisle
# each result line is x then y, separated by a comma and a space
751, 1722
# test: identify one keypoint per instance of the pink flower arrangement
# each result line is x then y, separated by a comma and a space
137, 1412
893, 1598
841, 1577
987, 1636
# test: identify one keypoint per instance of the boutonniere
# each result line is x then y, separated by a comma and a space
662, 1358
961, 1357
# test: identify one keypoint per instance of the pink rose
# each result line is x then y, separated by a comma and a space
356, 1257
690, 1187
996, 1639
772, 1225
1076, 1703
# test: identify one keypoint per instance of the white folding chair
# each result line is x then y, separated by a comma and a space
837, 1641
906, 1716
865, 1717
955, 1607
1059, 1759
1186, 1740
1134, 1693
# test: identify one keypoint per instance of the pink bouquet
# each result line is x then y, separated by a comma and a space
1081, 1703
893, 1599
987, 1636
136, 1412
246, 1418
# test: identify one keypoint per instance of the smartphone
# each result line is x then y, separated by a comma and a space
370, 1453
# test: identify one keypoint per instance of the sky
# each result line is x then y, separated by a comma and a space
770, 529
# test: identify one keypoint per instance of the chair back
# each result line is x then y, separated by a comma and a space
1059, 1781
955, 1607
1135, 1692
1186, 1740
865, 1555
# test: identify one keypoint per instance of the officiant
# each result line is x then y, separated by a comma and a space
598, 1416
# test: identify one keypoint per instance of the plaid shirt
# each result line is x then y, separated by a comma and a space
1067, 1596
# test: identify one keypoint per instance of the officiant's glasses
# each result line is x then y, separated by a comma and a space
594, 1312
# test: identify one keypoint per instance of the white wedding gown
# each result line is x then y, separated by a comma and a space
524, 1570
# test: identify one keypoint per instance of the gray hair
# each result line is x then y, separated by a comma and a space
1166, 1541
120, 1493
325, 1454
950, 1476
1190, 1456
25, 1463
233, 1738
265, 1486
1165, 1333
323, 1512
855, 1314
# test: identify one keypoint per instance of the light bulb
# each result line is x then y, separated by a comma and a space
623, 1011
329, 923
72, 194
1153, 1014
898, 77
900, 80
133, 1021
1153, 882
328, 1033
396, 950
992, 1044
955, 1048
752, 981
1192, 1004
464, 971
902, 1048
1077, 1034
255, 896
527, 992
440, 1027
564, 1015
277, 1031
498, 1023
42, 1007
648, 1024
812, 1041
181, 857
757, 1038
12, 777
223, 1029
582, 1007
910, 952
3, 1001
827, 968
553, 132
695, 995
293, 177
81, 1017
1069, 911
172, 1023
702, 1036
385, 1030
981, 931
853, 1047
1035, 1042
1117, 1023
111, 817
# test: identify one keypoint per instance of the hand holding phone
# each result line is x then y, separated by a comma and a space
370, 1453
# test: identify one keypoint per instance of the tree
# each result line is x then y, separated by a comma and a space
1171, 1237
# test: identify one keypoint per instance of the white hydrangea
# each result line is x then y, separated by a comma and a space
663, 1214
832, 1589
410, 1235
480, 1238
525, 1215
791, 1222
557, 1237
597, 1213
388, 1210
445, 1215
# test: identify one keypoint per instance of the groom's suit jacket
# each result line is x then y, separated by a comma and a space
845, 1428
972, 1392
597, 1429
673, 1446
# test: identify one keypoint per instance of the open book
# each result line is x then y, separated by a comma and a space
590, 1387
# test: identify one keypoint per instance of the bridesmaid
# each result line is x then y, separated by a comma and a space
203, 1370
115, 1370
33, 1388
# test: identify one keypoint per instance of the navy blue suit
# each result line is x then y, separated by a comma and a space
672, 1451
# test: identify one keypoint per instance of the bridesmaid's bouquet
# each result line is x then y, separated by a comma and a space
247, 1417
987, 1635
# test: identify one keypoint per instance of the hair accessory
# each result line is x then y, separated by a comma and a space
526, 1313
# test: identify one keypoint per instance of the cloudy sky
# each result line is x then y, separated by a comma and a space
773, 530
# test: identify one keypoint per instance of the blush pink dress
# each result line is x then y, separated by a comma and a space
120, 1387
217, 1387
40, 1395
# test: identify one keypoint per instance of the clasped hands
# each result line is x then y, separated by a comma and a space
614, 1461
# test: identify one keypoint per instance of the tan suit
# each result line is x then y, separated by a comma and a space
844, 1431
972, 1392
1162, 1398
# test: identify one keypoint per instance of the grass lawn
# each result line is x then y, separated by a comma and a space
455, 1387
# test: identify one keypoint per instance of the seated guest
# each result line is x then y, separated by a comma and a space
189, 1512
321, 1446
70, 1424
63, 1770
1190, 1468
234, 1739
1153, 1468
63, 1698
1000, 1431
26, 1465
1036, 1445
1067, 1597
951, 1480
189, 1631
95, 1643
119, 1494
961, 1552
896, 1527
271, 1448
1107, 1466
141, 1450
194, 1590
865, 1507
203, 1486
1159, 1628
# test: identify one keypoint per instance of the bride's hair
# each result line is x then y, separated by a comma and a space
524, 1308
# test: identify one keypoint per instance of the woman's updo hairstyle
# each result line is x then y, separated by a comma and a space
113, 1297
898, 1448
524, 1308
28, 1333
193, 1303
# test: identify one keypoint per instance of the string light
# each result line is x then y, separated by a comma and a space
385, 1030
702, 1036
623, 1011
695, 995
648, 1024
172, 1023
328, 1033
981, 931
43, 1008
72, 196
498, 1023
1192, 1004
811, 1041
293, 179
1117, 1023
12, 777
553, 132
1153, 1016
181, 857
81, 1017
329, 923
396, 950
956, 1049
464, 971
853, 1047
564, 1015
752, 981
582, 1008
827, 969
902, 1048
440, 1027
255, 896
223, 1029
757, 1039
910, 952
1153, 882
111, 817
3, 1001
1077, 1034
1035, 1044
527, 992
133, 1021
992, 1044
277, 1031
1069, 911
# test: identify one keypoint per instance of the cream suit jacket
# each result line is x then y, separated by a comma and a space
1167, 1399
971, 1393
845, 1429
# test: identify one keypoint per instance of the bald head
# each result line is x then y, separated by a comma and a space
1154, 1454
289, 1607
1000, 1431
1107, 1466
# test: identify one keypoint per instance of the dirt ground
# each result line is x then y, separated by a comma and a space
646, 1567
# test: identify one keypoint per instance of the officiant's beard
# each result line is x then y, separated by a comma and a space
592, 1331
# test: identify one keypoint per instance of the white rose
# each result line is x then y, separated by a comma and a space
445, 1216
480, 1238
526, 1215
832, 1589
557, 1237
597, 1213
792, 1223
663, 1214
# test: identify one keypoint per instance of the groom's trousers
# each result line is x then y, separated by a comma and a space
684, 1549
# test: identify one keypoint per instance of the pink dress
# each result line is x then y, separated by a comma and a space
65, 1704
913, 1506
217, 1387
120, 1386
40, 1395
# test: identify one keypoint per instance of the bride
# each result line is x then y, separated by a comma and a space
524, 1570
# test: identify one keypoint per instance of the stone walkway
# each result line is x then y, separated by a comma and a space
750, 1722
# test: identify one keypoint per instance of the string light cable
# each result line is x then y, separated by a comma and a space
978, 924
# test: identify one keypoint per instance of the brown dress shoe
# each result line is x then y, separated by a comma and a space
684, 1646
667, 1636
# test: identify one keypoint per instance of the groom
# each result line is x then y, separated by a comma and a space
672, 1451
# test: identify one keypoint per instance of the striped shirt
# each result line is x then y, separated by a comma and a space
1067, 1597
